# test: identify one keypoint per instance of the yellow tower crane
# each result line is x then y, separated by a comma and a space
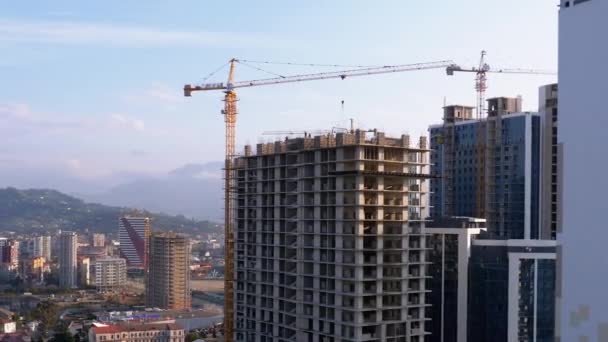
230, 113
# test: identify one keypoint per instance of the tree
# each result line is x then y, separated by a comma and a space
47, 314
51, 278
192, 336
62, 334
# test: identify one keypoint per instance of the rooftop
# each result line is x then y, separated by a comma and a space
456, 222
333, 139
168, 235
6, 314
117, 328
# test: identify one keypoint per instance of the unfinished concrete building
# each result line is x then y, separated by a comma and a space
330, 239
168, 276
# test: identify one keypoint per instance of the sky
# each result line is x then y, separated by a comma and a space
93, 90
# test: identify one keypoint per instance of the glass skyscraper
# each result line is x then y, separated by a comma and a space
491, 168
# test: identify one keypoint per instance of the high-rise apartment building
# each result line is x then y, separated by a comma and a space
110, 273
99, 240
330, 243
9, 254
550, 167
492, 167
489, 168
45, 240
450, 240
168, 275
582, 118
38, 246
133, 235
68, 245
84, 271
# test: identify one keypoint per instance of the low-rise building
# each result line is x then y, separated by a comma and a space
151, 332
34, 268
7, 326
99, 240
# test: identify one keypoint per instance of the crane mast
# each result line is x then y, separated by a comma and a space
481, 85
230, 113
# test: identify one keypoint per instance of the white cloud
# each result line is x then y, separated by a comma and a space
156, 94
19, 117
122, 121
72, 32
209, 175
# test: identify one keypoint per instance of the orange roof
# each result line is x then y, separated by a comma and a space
118, 328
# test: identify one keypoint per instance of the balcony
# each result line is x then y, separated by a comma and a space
369, 302
370, 259
369, 317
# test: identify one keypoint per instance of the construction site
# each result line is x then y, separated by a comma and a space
325, 234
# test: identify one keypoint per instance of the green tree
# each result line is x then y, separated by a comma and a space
47, 314
192, 336
62, 334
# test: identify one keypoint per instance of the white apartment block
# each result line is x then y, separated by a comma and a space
110, 273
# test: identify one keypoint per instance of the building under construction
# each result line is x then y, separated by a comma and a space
168, 275
330, 240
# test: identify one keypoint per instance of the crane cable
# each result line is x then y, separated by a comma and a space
259, 69
312, 64
214, 72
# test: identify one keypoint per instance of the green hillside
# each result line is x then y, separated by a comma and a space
45, 210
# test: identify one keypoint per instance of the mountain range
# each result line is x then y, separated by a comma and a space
47, 210
194, 190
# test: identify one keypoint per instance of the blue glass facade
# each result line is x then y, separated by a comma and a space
488, 294
490, 168
456, 151
483, 165
489, 285
545, 300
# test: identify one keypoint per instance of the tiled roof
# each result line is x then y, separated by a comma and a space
5, 313
118, 328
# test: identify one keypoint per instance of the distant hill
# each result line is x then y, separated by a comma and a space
41, 210
194, 190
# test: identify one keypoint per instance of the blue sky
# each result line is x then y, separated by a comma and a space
93, 89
